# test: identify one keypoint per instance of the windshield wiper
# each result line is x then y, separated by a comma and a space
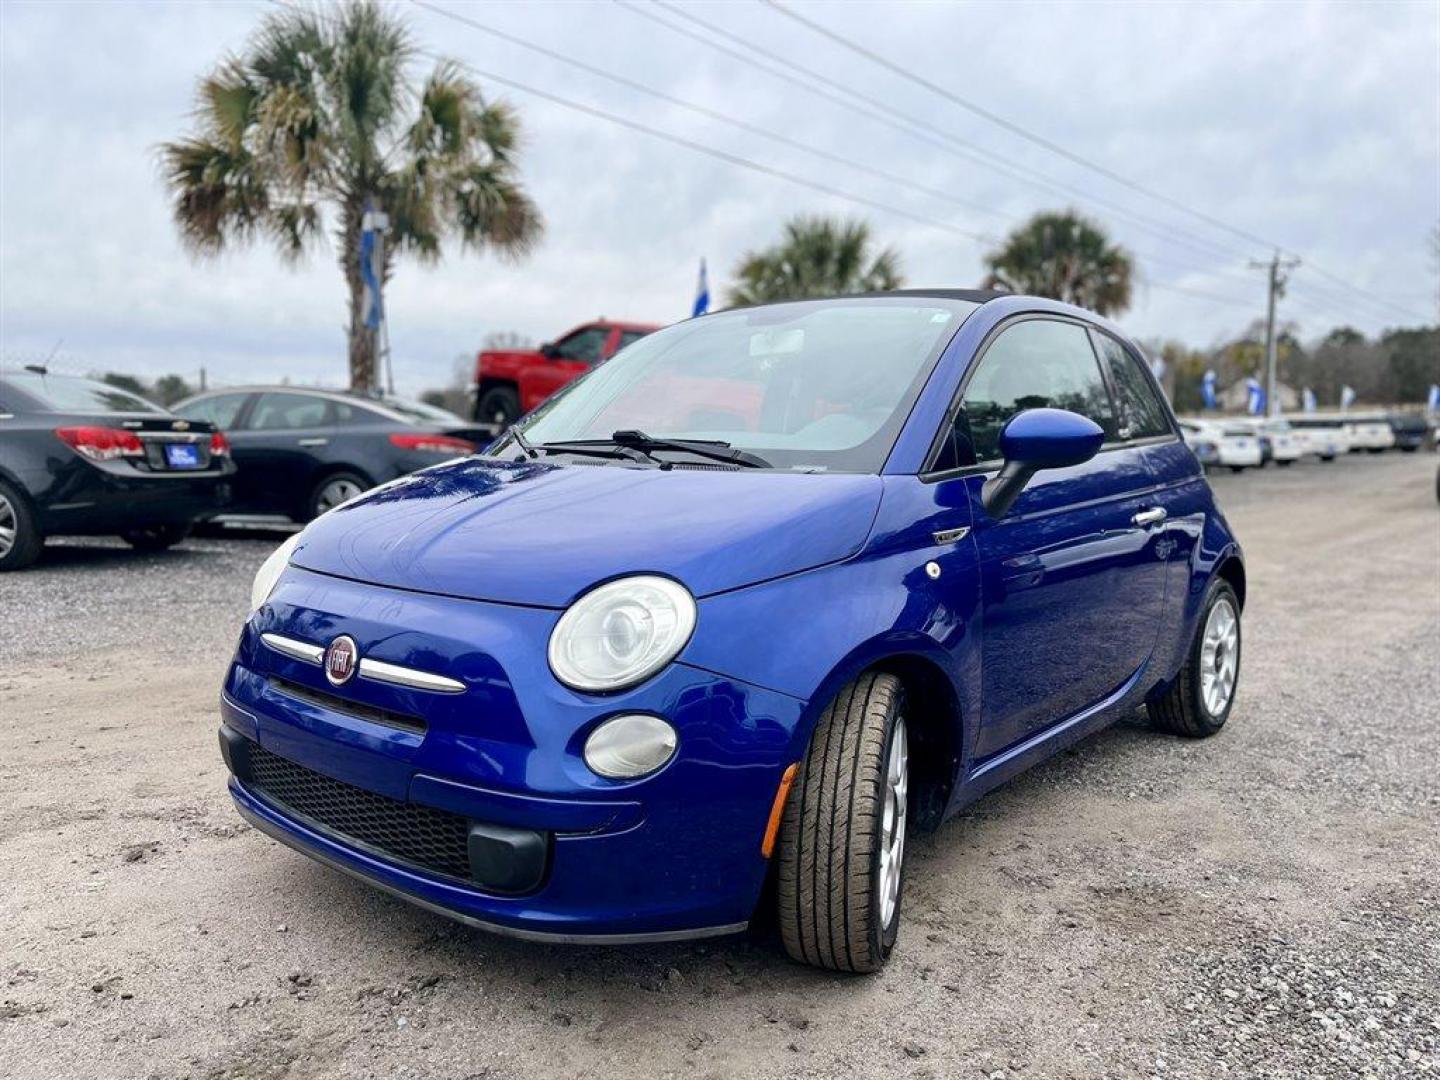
714, 449
607, 448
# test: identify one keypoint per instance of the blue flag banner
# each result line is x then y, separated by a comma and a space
702, 293
1432, 403
1308, 396
1347, 397
1255, 397
372, 265
1207, 389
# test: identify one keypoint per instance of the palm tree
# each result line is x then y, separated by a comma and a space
317, 120
817, 257
1067, 257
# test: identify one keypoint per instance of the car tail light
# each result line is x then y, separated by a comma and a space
101, 443
432, 444
219, 445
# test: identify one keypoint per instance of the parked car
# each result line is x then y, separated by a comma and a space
1410, 430
868, 558
1369, 431
82, 458
1323, 436
511, 382
300, 452
443, 420
1229, 443
1277, 442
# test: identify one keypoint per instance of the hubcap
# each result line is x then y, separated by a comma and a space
1219, 656
335, 493
8, 524
892, 830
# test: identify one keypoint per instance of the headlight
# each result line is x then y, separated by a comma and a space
626, 747
270, 571
621, 633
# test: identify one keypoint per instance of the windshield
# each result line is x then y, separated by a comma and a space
811, 385
67, 393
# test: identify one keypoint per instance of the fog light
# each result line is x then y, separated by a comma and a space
625, 747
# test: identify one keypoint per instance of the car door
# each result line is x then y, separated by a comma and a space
1071, 592
280, 446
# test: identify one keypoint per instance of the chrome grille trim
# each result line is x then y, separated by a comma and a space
296, 650
379, 671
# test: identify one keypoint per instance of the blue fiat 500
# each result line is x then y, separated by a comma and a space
720, 623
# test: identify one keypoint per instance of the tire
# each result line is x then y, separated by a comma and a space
1237, 468
332, 490
837, 906
1286, 463
1327, 457
1183, 709
500, 405
155, 537
20, 537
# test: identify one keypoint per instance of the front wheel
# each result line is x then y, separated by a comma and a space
841, 873
1237, 468
155, 537
1198, 703
498, 406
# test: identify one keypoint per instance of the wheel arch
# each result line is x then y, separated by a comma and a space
1232, 570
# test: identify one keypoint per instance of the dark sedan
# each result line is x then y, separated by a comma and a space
78, 457
302, 452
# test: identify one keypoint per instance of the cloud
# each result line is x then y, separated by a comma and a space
1308, 124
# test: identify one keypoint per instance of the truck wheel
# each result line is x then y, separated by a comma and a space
155, 537
842, 837
20, 539
500, 405
1198, 703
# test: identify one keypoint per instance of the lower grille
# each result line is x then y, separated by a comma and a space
427, 839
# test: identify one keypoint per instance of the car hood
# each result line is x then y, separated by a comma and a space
541, 534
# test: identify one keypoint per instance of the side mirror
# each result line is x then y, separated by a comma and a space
1033, 440
549, 351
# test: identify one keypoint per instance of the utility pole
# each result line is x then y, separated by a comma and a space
1279, 269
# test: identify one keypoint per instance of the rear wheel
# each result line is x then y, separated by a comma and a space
1237, 468
333, 490
20, 539
500, 405
1198, 703
841, 872
155, 537
1285, 463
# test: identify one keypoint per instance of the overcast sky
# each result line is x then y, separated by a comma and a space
1315, 126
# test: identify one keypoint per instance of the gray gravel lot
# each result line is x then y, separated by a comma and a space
1265, 903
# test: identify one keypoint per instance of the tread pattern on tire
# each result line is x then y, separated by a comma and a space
1177, 711
828, 912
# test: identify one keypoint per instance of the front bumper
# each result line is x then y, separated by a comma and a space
675, 854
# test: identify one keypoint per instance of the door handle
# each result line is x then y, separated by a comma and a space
313, 442
1153, 516
950, 536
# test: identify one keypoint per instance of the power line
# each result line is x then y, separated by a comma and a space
1055, 148
742, 125
881, 111
712, 114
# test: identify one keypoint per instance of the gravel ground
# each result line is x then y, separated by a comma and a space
1262, 904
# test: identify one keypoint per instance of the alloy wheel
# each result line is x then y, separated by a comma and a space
8, 524
1219, 649
892, 830
336, 492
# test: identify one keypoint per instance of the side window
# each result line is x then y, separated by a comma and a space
353, 415
1034, 364
586, 344
282, 412
1142, 413
221, 410
629, 337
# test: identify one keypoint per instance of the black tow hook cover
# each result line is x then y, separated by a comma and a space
506, 860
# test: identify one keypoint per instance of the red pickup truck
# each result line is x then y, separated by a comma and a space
511, 382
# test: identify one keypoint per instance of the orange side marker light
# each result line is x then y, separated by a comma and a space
777, 810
